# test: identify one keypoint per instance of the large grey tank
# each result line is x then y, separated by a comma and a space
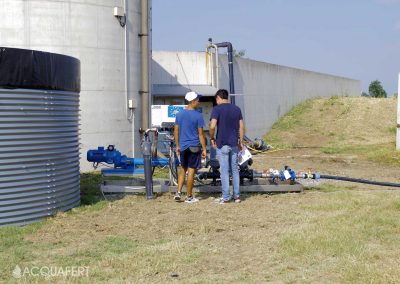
110, 58
39, 137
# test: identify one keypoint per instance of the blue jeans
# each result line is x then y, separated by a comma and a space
228, 160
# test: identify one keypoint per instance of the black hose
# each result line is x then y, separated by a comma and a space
360, 180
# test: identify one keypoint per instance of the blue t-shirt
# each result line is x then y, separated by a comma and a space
228, 117
189, 121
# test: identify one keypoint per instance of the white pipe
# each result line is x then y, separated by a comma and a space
129, 117
215, 80
209, 71
129, 112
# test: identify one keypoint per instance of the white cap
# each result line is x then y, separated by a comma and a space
192, 96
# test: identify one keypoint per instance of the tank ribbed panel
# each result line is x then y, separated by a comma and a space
39, 154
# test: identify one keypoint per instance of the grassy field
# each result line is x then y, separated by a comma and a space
334, 232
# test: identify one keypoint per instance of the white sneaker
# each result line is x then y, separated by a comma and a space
177, 196
221, 200
191, 199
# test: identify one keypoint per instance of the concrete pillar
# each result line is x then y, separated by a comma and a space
398, 116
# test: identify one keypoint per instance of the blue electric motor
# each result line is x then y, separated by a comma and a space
123, 165
109, 156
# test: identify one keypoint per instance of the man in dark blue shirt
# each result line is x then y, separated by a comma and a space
190, 144
228, 120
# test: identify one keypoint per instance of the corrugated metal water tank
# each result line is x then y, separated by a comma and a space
39, 137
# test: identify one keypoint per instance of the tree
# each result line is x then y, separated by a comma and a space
364, 94
376, 90
239, 53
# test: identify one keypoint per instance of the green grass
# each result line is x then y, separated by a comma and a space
349, 241
330, 187
15, 250
392, 130
294, 117
109, 248
384, 154
161, 173
332, 101
90, 188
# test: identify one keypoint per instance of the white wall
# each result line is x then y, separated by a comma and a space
184, 68
268, 90
272, 90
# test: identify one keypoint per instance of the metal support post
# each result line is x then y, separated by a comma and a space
148, 176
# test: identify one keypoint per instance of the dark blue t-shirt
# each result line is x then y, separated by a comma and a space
189, 121
228, 117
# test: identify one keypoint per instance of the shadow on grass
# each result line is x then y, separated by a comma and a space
90, 188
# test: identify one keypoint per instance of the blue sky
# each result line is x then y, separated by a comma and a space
359, 39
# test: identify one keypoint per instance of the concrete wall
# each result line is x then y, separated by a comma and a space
265, 91
87, 30
185, 68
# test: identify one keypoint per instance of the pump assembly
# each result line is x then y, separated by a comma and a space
271, 180
158, 151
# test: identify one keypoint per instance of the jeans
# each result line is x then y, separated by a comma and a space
228, 160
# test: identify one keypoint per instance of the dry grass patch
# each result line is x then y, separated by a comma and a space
335, 235
337, 120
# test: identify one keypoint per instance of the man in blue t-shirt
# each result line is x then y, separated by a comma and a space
228, 120
190, 144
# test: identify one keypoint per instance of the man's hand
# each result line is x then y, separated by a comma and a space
204, 153
178, 150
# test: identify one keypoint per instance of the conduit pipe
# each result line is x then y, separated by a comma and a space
228, 45
145, 84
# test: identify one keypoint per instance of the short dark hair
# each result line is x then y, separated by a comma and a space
222, 93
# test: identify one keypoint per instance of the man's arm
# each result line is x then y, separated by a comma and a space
203, 142
176, 136
241, 134
213, 125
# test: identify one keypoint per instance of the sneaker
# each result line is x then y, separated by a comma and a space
218, 200
237, 200
223, 201
191, 199
177, 196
